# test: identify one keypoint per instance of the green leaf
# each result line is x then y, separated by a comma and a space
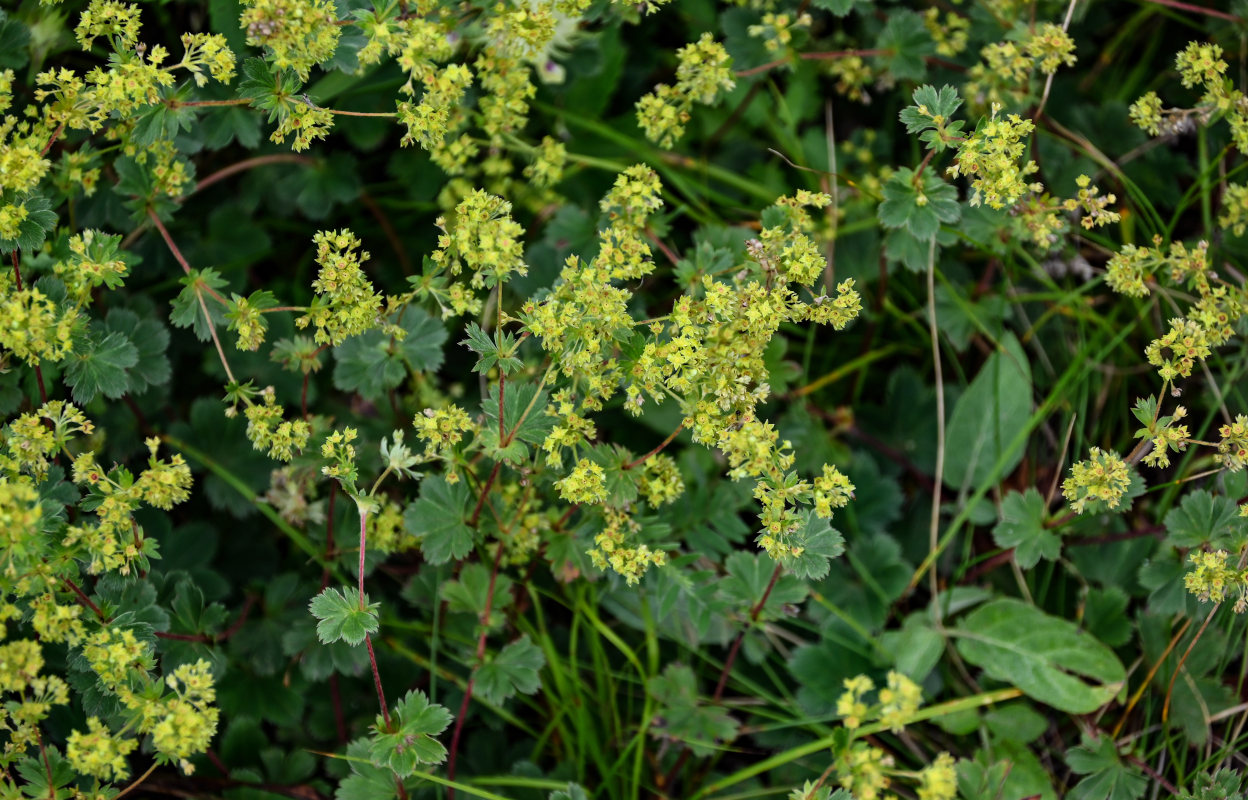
367, 781
186, 311
47, 774
1048, 658
162, 121
928, 103
747, 578
367, 365
1105, 615
1202, 518
920, 204
686, 720
988, 416
471, 593
519, 399
905, 42
838, 8
411, 743
513, 670
422, 346
574, 791
150, 339
819, 544
438, 519
342, 616
14, 42
1022, 527
1108, 778
100, 365
34, 228
479, 342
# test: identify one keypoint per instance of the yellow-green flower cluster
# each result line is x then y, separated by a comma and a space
899, 700
483, 239
832, 490
6, 89
1212, 579
114, 541
298, 33
852, 74
28, 695
1165, 438
586, 483
1175, 354
613, 551
1146, 113
115, 654
94, 261
386, 531
1003, 77
181, 722
1233, 447
207, 53
34, 327
939, 779
346, 303
1051, 46
99, 752
268, 430
705, 70
111, 19
661, 482
341, 455
1235, 208
851, 706
991, 156
776, 30
863, 770
429, 121
33, 438
951, 35
189, 720
1200, 64
1092, 204
302, 120
164, 483
442, 429
1101, 477
22, 164
548, 162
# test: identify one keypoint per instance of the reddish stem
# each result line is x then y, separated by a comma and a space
56, 134
237, 101
387, 228
670, 438
363, 547
463, 706
736, 644
745, 73
82, 598
1213, 12
485, 492
251, 163
834, 54
340, 721
381, 694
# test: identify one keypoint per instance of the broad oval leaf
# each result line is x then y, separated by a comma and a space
1048, 658
992, 412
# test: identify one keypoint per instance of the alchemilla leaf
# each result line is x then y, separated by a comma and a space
342, 616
